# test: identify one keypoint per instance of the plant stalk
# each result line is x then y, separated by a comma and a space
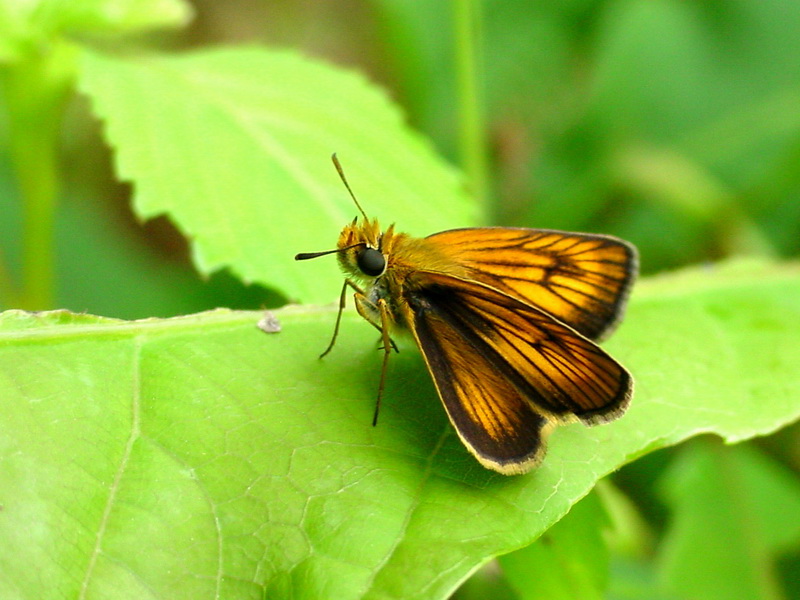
472, 130
36, 87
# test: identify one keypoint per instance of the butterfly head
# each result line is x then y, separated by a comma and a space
360, 249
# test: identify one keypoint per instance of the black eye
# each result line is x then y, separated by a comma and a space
371, 262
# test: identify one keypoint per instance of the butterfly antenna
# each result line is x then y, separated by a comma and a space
339, 169
308, 255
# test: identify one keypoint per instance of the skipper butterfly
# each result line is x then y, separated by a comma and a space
507, 320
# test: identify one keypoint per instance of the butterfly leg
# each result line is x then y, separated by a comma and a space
391, 342
368, 310
342, 304
387, 350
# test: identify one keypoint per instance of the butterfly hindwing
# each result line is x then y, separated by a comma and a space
493, 419
560, 372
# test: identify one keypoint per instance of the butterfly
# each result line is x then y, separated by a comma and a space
506, 319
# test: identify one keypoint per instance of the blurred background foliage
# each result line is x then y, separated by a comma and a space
674, 124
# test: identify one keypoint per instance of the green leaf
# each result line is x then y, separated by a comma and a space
569, 561
737, 509
235, 146
199, 457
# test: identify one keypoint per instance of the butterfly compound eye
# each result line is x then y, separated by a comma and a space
371, 262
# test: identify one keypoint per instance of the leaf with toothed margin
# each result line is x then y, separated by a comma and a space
234, 146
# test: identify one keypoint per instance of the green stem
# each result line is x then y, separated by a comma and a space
470, 106
36, 89
7, 295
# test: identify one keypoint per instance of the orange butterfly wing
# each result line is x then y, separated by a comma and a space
506, 371
581, 279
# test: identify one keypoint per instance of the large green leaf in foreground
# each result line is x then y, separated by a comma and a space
199, 457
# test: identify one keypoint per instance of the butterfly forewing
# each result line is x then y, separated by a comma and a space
581, 279
561, 373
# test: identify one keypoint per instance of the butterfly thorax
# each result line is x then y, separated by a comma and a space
403, 256
402, 253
